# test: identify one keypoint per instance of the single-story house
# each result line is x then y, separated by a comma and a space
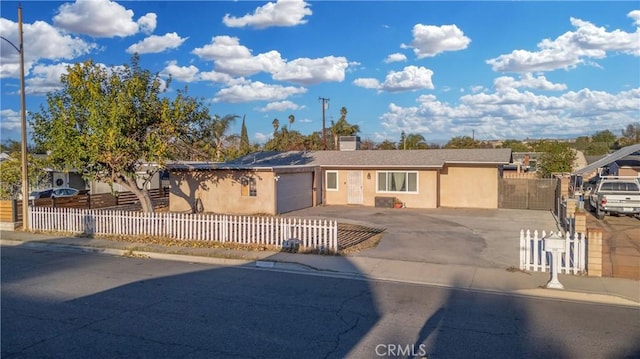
279, 182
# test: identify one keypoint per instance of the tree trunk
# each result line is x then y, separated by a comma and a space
142, 194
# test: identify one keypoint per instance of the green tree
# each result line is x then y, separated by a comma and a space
342, 128
515, 146
217, 133
245, 145
276, 125
462, 142
631, 134
109, 123
604, 138
386, 145
414, 141
11, 174
558, 157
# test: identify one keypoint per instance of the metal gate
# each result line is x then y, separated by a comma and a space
527, 193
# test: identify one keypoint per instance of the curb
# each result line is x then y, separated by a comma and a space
301, 268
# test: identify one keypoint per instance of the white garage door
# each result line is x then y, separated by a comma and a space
294, 191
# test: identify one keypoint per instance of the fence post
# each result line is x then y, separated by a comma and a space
594, 252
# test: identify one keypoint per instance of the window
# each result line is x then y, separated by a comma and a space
248, 187
332, 180
398, 182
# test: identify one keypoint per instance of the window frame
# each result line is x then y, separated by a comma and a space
406, 173
248, 187
326, 178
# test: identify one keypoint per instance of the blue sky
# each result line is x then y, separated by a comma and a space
494, 70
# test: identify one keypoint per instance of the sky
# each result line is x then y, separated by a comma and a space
489, 70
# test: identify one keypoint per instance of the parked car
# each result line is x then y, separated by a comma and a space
615, 195
64, 192
43, 193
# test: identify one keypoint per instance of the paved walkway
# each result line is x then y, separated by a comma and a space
492, 279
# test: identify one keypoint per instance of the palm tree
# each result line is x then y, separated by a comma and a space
414, 141
218, 133
276, 124
342, 127
291, 120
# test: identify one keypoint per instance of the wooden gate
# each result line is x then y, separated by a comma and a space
527, 193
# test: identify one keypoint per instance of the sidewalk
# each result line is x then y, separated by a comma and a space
512, 282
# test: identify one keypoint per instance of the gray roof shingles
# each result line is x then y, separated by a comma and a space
379, 158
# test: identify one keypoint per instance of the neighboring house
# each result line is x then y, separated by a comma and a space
279, 182
624, 162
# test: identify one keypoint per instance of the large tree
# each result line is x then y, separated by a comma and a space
111, 123
558, 157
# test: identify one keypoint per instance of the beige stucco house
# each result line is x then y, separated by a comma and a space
279, 182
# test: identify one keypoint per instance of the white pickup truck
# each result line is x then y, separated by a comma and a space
615, 195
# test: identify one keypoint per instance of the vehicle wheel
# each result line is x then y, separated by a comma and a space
599, 213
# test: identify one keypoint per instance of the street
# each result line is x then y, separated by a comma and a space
58, 303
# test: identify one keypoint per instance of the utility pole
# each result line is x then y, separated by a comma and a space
23, 125
324, 129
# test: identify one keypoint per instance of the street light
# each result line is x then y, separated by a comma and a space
23, 125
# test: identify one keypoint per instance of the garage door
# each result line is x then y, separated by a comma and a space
294, 191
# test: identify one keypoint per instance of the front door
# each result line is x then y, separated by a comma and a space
354, 187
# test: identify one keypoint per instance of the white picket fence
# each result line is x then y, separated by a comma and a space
260, 230
534, 258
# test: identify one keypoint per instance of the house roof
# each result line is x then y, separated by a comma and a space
360, 159
607, 160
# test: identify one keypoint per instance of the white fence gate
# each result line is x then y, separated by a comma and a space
271, 231
534, 258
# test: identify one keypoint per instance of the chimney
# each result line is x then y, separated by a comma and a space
349, 143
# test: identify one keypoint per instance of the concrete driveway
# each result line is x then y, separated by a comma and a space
475, 237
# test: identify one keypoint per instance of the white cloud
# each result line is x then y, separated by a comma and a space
155, 44
397, 57
10, 120
261, 137
280, 106
429, 40
234, 59
256, 91
46, 78
101, 18
147, 23
181, 73
514, 114
635, 15
281, 13
215, 76
368, 83
410, 78
527, 81
312, 71
571, 49
45, 42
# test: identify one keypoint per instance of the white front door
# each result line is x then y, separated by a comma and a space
354, 187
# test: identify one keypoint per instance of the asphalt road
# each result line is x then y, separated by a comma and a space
80, 305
